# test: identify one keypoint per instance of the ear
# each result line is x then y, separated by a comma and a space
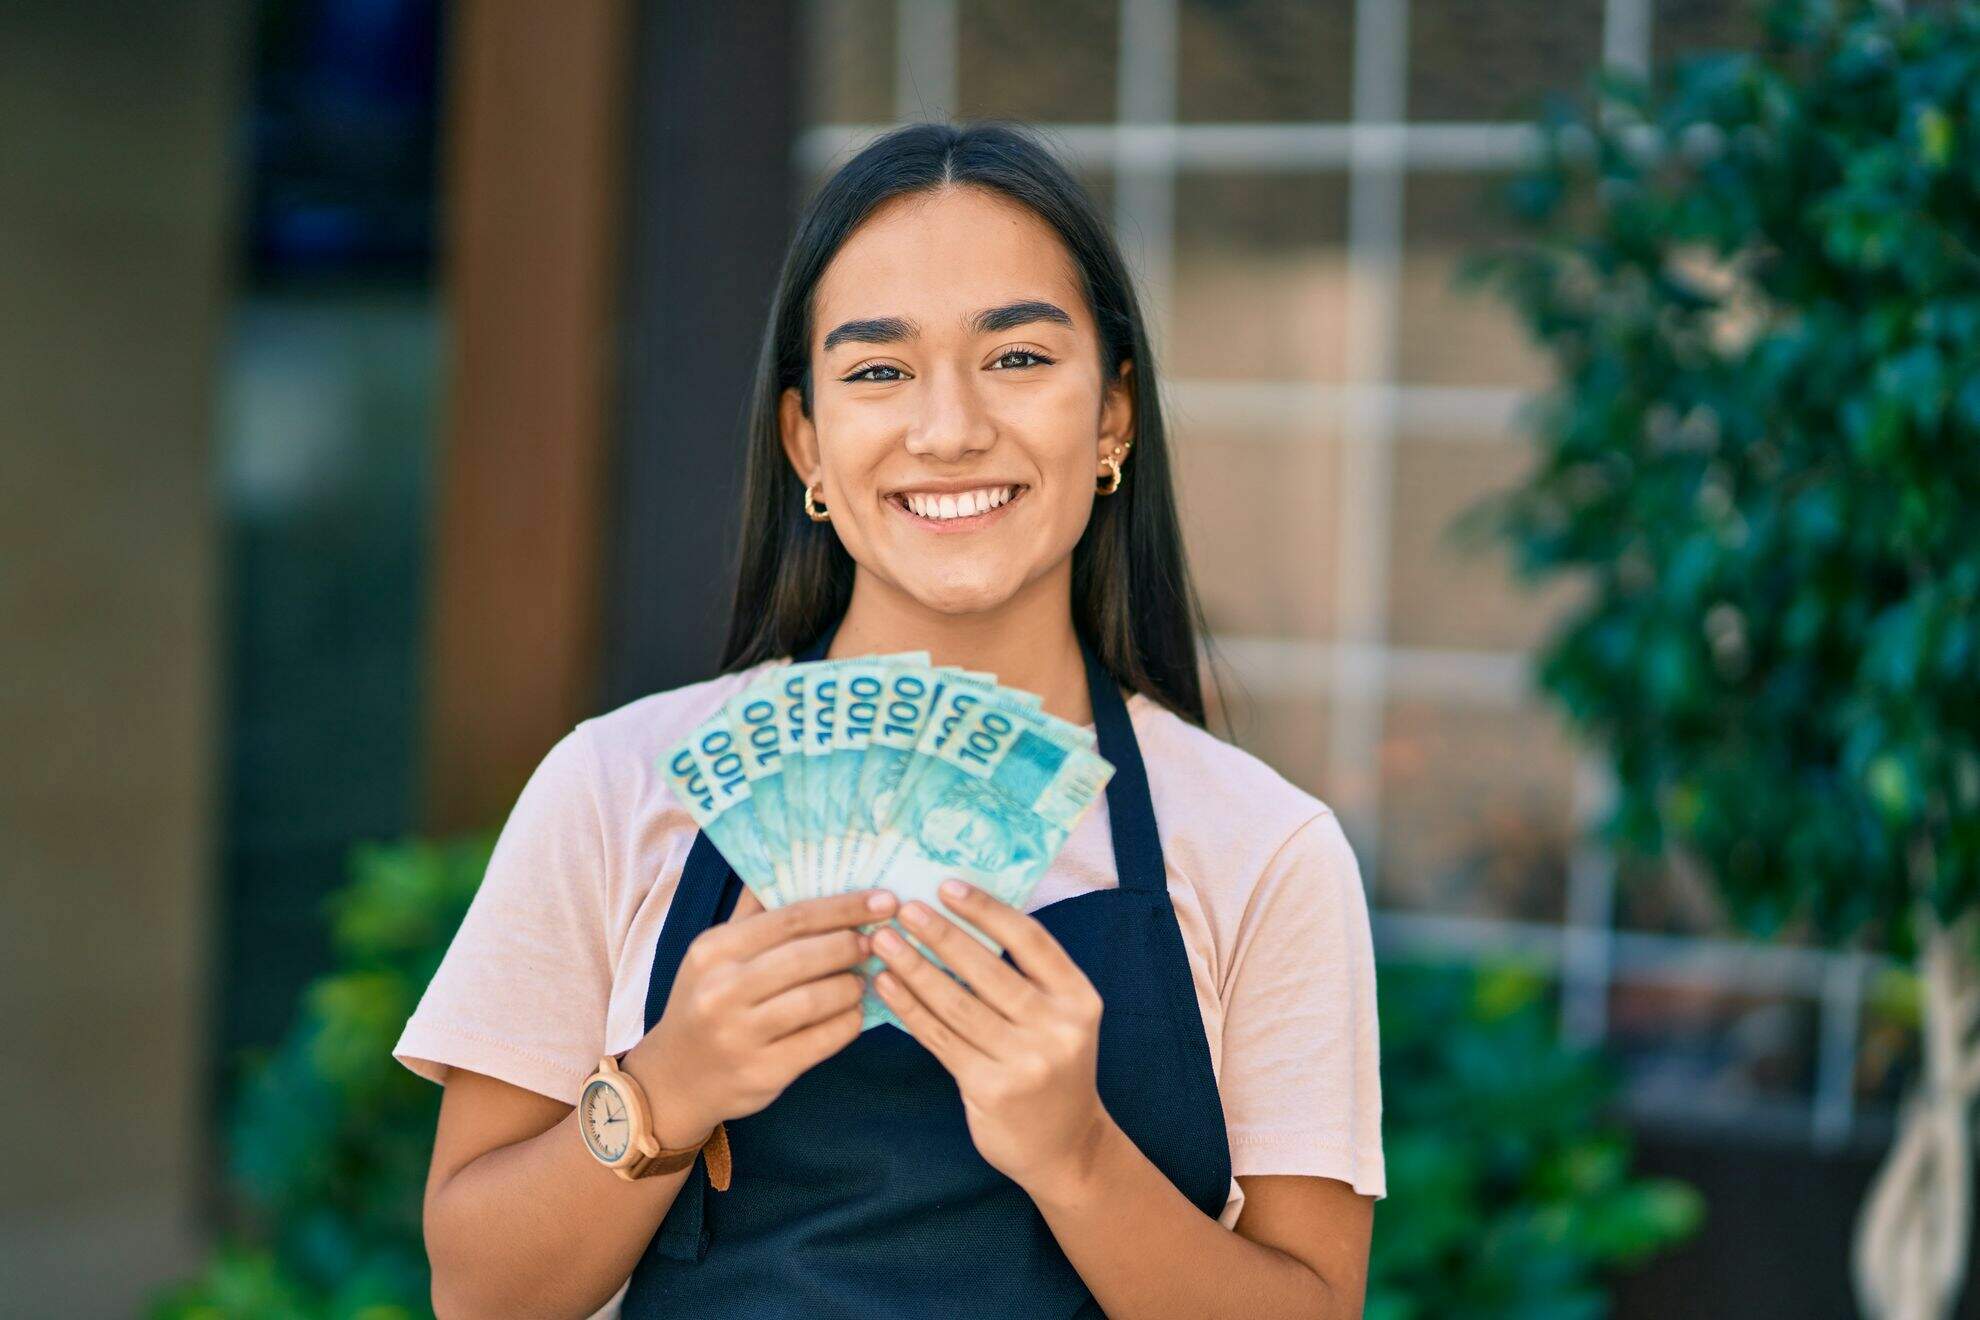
1116, 414
799, 436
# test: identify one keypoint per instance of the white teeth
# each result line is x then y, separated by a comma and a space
964, 505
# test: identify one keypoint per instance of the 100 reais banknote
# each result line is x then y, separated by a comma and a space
883, 771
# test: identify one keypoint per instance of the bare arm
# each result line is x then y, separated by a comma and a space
1300, 1247
519, 1218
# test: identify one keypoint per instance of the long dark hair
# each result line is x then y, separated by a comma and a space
1132, 599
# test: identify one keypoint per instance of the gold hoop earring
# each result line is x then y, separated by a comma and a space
812, 511
1111, 462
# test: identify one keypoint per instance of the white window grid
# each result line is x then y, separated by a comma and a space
1359, 669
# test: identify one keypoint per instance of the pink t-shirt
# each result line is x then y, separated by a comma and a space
550, 967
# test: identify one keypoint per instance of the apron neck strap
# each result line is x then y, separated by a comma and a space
1130, 810
823, 642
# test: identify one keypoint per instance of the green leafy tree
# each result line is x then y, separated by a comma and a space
1759, 280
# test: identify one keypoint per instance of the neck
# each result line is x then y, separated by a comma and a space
1027, 641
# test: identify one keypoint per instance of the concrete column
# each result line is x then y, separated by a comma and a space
116, 131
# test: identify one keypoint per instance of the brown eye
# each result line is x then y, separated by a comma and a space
1035, 356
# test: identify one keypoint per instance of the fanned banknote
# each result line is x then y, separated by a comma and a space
887, 772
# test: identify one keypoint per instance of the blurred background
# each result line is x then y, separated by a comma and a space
356, 356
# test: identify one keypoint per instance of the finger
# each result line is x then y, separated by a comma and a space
748, 905
802, 1005
809, 1046
1039, 956
809, 916
794, 962
958, 1010
995, 981
950, 1050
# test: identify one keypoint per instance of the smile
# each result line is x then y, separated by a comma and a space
956, 510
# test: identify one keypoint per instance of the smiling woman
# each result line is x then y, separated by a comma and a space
1164, 1100
991, 404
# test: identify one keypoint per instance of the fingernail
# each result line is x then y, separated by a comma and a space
914, 914
889, 941
953, 889
879, 900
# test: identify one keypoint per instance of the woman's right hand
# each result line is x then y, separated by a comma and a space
758, 999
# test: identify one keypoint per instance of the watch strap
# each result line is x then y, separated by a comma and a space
715, 1145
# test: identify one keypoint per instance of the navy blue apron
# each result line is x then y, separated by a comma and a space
857, 1191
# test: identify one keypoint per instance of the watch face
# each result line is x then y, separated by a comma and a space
602, 1117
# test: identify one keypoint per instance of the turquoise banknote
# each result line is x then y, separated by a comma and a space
858, 707
753, 717
787, 694
992, 804
821, 704
884, 771
837, 722
705, 771
909, 694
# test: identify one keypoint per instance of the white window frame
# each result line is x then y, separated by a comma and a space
1360, 668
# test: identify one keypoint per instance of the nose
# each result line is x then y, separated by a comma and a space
953, 423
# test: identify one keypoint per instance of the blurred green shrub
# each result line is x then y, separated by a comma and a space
330, 1136
1510, 1192
1504, 1199
1760, 286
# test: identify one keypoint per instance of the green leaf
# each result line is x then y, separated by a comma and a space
1778, 651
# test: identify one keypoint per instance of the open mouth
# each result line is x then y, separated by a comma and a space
959, 508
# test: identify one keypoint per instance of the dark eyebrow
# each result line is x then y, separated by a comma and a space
994, 320
989, 321
873, 330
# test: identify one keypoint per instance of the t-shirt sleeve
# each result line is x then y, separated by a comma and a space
1301, 1069
522, 991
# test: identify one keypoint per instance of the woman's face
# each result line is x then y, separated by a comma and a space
956, 365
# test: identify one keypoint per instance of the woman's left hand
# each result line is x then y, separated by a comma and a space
1024, 1047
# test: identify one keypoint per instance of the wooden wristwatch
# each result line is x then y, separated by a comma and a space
617, 1127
